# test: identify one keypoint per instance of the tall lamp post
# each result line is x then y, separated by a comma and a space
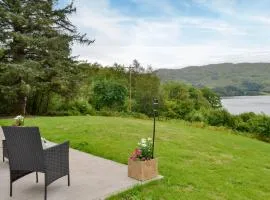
24, 106
155, 107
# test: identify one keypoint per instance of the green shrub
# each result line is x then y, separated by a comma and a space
83, 107
247, 116
242, 127
74, 112
260, 125
79, 107
169, 114
195, 116
179, 110
105, 112
220, 117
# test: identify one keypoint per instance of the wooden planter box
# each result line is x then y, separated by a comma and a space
143, 170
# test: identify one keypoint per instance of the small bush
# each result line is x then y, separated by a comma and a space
106, 113
73, 112
260, 125
220, 117
170, 114
243, 127
79, 107
83, 107
236, 122
195, 116
247, 116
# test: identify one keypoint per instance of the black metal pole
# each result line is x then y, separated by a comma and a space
154, 134
24, 106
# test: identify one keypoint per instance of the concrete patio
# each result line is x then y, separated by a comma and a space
92, 177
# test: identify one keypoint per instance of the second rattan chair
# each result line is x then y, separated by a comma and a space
26, 155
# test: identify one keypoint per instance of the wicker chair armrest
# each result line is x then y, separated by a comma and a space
56, 162
57, 146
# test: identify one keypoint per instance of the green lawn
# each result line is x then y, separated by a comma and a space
197, 163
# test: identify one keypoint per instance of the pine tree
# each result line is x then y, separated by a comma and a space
35, 52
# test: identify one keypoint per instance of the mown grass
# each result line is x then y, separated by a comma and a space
197, 163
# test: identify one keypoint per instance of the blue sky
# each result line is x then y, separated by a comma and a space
173, 33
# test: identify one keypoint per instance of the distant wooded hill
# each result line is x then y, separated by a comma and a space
227, 79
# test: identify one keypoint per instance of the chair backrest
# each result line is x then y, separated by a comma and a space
24, 148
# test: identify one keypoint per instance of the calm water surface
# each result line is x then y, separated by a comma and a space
240, 104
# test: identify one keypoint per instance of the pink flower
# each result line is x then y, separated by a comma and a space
138, 152
132, 158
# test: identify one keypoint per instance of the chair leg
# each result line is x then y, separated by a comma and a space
3, 156
45, 194
68, 179
36, 177
10, 189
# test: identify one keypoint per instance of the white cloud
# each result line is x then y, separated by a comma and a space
161, 41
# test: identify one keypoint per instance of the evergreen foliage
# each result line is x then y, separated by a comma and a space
35, 61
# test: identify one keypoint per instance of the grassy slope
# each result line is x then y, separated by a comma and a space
197, 163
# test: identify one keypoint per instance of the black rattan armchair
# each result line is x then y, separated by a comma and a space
26, 155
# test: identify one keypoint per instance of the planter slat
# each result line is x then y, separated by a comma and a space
143, 170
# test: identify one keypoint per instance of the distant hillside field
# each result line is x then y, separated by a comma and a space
227, 79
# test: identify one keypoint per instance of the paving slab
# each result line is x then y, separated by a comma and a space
92, 178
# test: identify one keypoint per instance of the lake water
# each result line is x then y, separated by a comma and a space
240, 104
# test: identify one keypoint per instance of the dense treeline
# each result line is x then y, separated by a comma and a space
104, 90
107, 89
